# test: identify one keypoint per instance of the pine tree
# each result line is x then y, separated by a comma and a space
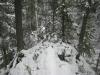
82, 33
86, 33
65, 21
54, 5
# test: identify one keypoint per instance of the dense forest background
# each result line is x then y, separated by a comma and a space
25, 23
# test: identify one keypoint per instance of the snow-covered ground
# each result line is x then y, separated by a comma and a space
47, 59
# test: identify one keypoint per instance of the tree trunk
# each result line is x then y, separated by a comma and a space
63, 28
33, 15
63, 22
18, 21
53, 20
83, 29
36, 12
98, 60
53, 15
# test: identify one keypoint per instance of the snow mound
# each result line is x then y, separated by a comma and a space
51, 59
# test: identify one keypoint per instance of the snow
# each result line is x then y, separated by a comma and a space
87, 4
10, 15
75, 24
2, 71
43, 59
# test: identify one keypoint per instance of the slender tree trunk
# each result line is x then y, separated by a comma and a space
83, 29
63, 22
36, 12
5, 57
98, 60
63, 27
33, 15
53, 20
53, 16
54, 5
18, 21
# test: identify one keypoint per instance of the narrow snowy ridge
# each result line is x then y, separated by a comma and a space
47, 59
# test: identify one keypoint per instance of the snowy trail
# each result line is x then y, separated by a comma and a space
48, 62
51, 61
55, 66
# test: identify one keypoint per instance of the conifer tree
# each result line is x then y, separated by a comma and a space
86, 33
65, 21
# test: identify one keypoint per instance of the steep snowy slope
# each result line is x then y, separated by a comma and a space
51, 59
